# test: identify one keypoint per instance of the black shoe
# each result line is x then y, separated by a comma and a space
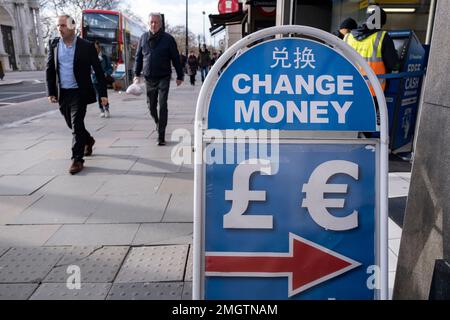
161, 142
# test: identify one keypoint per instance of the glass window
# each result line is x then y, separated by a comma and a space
100, 20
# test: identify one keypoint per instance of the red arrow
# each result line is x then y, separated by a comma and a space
306, 265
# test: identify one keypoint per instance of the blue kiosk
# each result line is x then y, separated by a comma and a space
404, 90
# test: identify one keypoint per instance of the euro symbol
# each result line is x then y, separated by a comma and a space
241, 195
318, 186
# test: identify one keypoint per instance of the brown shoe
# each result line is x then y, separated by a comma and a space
76, 167
88, 148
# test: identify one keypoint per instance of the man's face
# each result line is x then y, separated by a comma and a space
66, 28
344, 31
155, 24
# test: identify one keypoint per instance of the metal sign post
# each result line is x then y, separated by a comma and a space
289, 202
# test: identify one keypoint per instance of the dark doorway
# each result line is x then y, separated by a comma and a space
8, 43
314, 13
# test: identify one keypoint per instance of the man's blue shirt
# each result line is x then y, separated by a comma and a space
66, 55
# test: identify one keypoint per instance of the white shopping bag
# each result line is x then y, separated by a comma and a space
136, 88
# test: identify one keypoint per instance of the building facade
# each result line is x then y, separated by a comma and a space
21, 42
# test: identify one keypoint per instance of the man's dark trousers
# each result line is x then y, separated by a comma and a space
158, 91
74, 110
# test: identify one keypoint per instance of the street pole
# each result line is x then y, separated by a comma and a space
204, 34
187, 33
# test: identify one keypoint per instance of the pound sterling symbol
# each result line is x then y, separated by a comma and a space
316, 188
241, 195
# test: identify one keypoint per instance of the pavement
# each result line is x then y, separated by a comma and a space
10, 82
123, 225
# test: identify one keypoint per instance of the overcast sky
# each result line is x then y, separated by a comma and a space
175, 13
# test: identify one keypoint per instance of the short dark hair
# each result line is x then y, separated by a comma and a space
348, 23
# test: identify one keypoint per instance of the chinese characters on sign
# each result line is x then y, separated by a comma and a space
303, 58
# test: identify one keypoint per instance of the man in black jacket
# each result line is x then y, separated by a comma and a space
155, 52
68, 75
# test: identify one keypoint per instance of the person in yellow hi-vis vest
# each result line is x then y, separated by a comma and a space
375, 45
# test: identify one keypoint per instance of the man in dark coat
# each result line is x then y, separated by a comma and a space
68, 75
155, 52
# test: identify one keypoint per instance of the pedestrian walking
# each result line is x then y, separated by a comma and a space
156, 50
204, 61
214, 58
192, 67
107, 71
68, 77
2, 73
183, 61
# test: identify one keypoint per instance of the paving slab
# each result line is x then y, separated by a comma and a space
16, 291
134, 135
97, 264
16, 144
130, 209
74, 185
394, 245
114, 153
146, 165
15, 162
395, 232
28, 265
187, 291
178, 183
94, 234
189, 265
59, 291
12, 206
23, 236
398, 186
131, 142
187, 168
392, 261
3, 250
180, 209
164, 233
102, 166
154, 264
59, 209
152, 151
146, 291
22, 185
131, 185
54, 167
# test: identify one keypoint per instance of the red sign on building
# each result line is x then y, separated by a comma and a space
228, 6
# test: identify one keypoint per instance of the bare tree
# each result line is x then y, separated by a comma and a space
179, 33
53, 8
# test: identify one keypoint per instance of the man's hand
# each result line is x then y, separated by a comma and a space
52, 99
179, 82
104, 101
137, 79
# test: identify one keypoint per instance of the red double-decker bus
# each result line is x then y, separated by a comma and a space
118, 35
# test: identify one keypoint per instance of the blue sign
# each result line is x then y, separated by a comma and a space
297, 226
292, 84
